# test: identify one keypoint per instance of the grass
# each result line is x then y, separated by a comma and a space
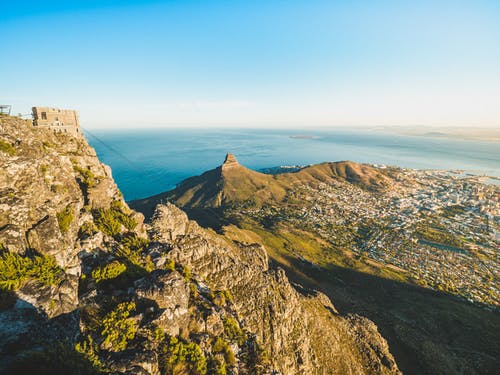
285, 242
88, 348
433, 232
222, 346
87, 229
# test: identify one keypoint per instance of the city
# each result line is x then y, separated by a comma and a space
439, 229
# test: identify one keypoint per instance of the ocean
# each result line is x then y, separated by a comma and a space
148, 162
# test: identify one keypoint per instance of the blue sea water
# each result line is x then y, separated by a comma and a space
147, 162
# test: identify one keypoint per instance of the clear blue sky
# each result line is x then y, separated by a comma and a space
255, 63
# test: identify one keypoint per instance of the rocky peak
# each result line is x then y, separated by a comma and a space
230, 162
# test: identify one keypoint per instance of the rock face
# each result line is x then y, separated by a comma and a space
44, 179
167, 297
302, 330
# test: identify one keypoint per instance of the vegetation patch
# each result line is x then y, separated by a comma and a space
233, 331
186, 272
7, 148
65, 218
220, 297
179, 357
221, 346
432, 232
452, 211
118, 329
109, 271
43, 169
87, 177
110, 221
16, 270
131, 248
170, 264
88, 348
87, 229
217, 366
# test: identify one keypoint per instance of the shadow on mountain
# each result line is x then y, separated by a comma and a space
30, 343
428, 332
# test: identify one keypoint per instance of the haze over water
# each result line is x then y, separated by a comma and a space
148, 162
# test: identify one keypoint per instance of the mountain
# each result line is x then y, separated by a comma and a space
398, 246
87, 287
233, 183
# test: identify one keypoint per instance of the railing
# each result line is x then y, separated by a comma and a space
5, 109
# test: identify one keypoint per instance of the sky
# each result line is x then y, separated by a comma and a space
309, 63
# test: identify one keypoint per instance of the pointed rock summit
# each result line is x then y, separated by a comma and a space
230, 162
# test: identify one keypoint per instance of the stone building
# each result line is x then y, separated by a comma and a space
60, 120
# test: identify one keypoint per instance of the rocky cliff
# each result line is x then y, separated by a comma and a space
86, 287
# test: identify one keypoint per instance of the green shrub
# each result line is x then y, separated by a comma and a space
233, 331
15, 270
128, 221
7, 148
117, 206
178, 355
217, 366
87, 177
106, 222
110, 221
89, 350
117, 328
109, 271
193, 290
43, 169
186, 272
88, 229
222, 346
170, 265
159, 335
122, 214
65, 218
133, 242
132, 247
221, 297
